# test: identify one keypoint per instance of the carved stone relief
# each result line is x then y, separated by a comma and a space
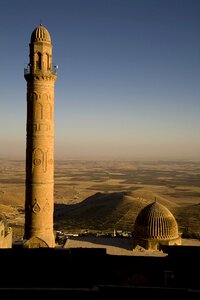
36, 208
39, 159
47, 207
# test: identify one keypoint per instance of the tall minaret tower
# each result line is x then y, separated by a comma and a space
39, 203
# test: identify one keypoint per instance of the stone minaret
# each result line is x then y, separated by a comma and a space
39, 203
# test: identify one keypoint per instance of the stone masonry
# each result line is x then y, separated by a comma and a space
39, 202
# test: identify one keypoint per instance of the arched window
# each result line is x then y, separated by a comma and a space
48, 61
39, 61
38, 111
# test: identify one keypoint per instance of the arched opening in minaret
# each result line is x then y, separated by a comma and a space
48, 61
39, 61
38, 111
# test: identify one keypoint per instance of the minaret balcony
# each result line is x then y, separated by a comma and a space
28, 71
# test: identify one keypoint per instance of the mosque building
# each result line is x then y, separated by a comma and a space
90, 273
154, 226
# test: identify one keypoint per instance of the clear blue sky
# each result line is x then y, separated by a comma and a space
128, 77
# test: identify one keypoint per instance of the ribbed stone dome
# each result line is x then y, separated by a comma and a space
155, 221
40, 34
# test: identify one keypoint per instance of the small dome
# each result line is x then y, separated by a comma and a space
40, 34
155, 221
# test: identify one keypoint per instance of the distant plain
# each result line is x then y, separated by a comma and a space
107, 195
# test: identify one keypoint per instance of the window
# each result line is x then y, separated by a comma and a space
39, 61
